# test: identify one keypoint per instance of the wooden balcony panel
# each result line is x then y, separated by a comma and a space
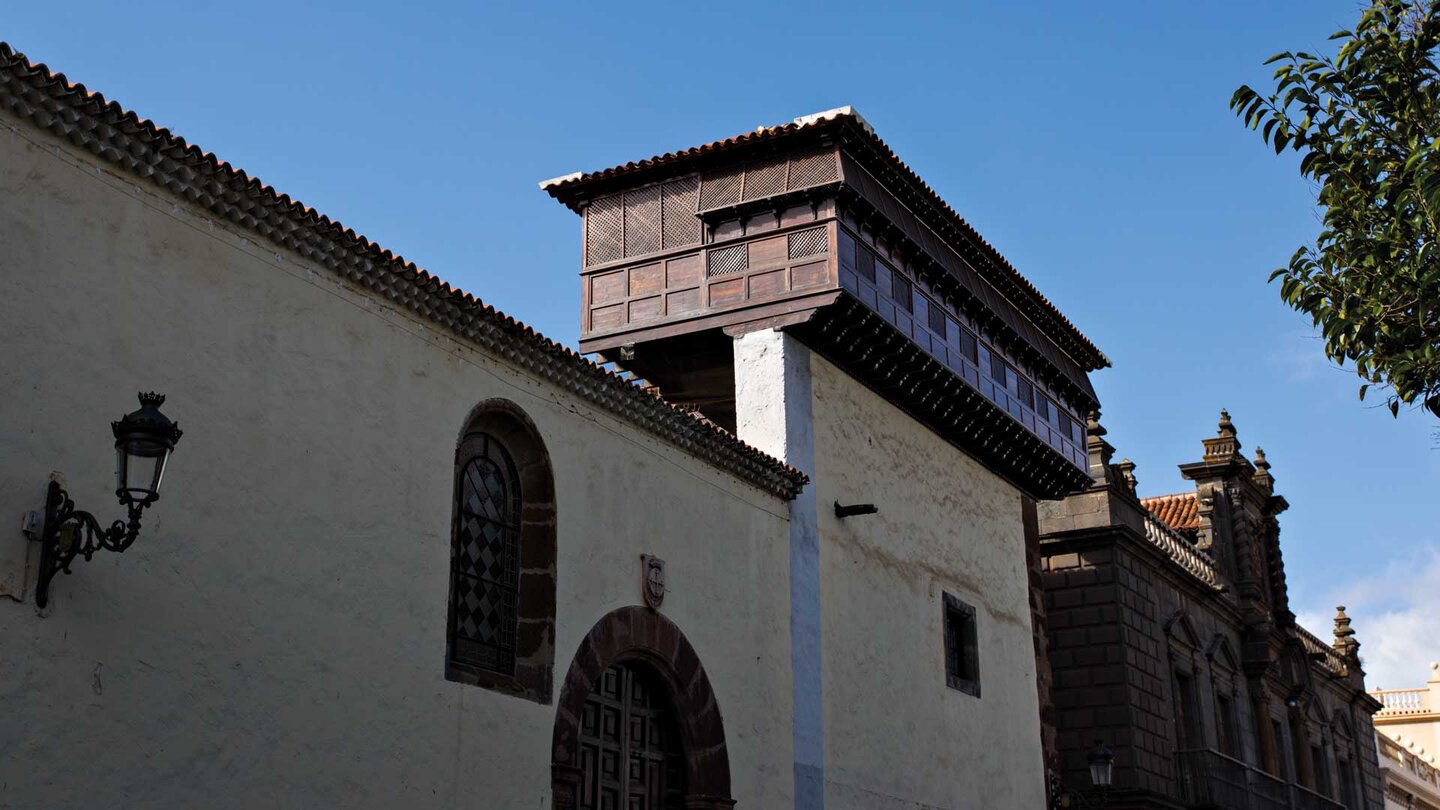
628, 302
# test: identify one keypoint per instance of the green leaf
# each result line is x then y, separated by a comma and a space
1368, 118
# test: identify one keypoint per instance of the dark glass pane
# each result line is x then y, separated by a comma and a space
901, 292
998, 370
846, 251
937, 319
968, 346
969, 648
865, 265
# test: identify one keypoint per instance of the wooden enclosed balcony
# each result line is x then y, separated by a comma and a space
817, 228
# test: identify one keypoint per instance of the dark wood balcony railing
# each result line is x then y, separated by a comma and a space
1209, 779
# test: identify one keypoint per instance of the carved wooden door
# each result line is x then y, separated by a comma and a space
631, 756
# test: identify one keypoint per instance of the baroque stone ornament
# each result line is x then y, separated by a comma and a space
652, 580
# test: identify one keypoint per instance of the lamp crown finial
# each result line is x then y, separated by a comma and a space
150, 399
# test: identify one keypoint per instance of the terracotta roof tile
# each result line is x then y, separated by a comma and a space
1180, 511
49, 101
1007, 277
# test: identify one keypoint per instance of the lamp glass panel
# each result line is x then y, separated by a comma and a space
1100, 773
139, 468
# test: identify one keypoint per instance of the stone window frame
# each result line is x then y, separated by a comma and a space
1347, 757
1183, 653
532, 677
1320, 727
1225, 684
1305, 726
961, 629
1280, 727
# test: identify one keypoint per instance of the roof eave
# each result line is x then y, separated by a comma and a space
574, 190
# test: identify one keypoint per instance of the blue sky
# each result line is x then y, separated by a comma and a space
1090, 142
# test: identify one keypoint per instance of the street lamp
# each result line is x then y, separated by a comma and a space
1102, 773
143, 441
1102, 765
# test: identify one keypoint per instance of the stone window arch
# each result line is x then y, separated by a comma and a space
500, 621
641, 636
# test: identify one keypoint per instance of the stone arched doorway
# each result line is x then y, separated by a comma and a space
637, 666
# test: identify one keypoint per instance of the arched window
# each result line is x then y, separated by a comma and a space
500, 624
485, 557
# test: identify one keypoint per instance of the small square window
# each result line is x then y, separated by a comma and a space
962, 647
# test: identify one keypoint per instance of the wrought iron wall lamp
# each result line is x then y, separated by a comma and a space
143, 441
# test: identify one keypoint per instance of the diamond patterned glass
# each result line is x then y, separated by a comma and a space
485, 559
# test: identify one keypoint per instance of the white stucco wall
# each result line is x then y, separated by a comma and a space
276, 637
896, 736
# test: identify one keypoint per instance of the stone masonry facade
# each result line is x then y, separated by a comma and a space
1173, 644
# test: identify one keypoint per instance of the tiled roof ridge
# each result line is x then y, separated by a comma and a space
847, 114
1179, 511
87, 119
1168, 496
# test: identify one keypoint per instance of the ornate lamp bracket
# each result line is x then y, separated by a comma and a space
67, 533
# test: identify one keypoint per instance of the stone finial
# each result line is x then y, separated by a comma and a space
1099, 451
1225, 445
1434, 672
1345, 643
1127, 472
1227, 428
1093, 426
1262, 475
